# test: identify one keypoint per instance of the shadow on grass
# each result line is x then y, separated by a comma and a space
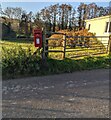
67, 65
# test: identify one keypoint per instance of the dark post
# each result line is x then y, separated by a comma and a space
43, 44
44, 59
46, 46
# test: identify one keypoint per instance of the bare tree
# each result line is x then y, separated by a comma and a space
8, 12
29, 17
24, 24
70, 15
80, 15
63, 10
73, 20
93, 9
54, 12
18, 13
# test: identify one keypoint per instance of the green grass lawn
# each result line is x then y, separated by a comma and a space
16, 43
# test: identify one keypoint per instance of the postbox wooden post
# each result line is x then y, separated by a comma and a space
44, 43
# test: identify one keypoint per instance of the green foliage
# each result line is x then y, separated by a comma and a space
71, 65
18, 61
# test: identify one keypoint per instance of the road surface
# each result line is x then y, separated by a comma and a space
72, 95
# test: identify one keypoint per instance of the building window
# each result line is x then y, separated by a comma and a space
108, 27
89, 26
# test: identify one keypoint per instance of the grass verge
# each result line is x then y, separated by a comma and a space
23, 63
19, 61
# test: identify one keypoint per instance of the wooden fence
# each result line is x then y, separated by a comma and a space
76, 46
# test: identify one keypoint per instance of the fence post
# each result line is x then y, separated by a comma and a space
110, 45
64, 46
44, 43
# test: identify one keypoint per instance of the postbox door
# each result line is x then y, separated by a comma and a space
38, 40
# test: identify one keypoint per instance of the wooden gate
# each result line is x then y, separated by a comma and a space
81, 46
74, 46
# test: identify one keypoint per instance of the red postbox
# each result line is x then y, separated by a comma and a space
38, 38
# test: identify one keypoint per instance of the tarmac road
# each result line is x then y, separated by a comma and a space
73, 95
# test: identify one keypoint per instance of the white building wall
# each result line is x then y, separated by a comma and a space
98, 26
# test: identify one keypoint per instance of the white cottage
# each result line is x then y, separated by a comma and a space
101, 26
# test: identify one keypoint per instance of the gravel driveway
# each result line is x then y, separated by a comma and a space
73, 95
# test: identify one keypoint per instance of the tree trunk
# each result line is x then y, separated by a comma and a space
54, 24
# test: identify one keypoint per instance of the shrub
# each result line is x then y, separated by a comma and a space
19, 61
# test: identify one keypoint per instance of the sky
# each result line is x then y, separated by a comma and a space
36, 6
